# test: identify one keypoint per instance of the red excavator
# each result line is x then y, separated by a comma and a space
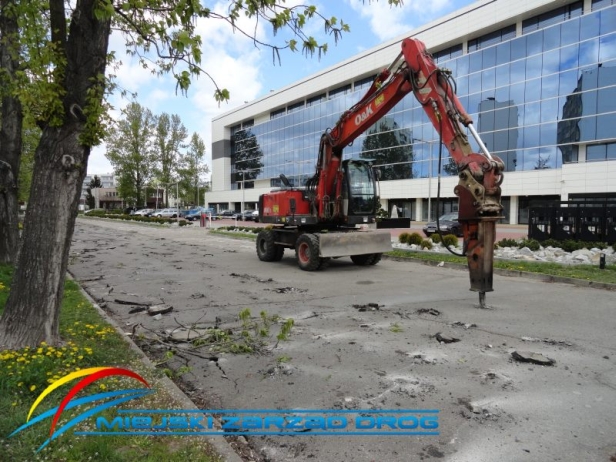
323, 219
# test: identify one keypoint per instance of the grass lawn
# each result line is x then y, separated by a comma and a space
583, 272
88, 342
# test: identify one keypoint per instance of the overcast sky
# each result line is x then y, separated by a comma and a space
249, 72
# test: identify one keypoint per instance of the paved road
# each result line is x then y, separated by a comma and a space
339, 356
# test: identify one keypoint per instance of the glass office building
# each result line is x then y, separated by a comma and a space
539, 84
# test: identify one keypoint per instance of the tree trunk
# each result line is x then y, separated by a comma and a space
10, 138
32, 309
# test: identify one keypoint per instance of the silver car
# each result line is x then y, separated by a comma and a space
144, 212
166, 213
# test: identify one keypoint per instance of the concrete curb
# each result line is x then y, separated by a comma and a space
512, 273
220, 444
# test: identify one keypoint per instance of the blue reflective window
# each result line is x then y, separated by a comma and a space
595, 152
607, 47
547, 133
589, 26
503, 53
569, 57
532, 91
605, 126
518, 48
517, 135
461, 86
488, 78
532, 114
503, 73
475, 64
607, 75
516, 93
598, 4
534, 43
462, 65
489, 57
533, 67
570, 32
551, 62
611, 151
588, 128
606, 102
589, 78
608, 20
502, 94
474, 82
589, 52
518, 71
551, 38
549, 86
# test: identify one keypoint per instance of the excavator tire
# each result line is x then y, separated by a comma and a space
376, 257
279, 252
266, 249
307, 252
324, 263
364, 259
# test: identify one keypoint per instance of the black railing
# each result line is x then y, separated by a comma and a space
580, 221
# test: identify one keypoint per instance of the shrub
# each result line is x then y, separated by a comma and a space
403, 238
450, 240
436, 238
415, 238
599, 245
507, 243
426, 244
551, 243
532, 244
570, 245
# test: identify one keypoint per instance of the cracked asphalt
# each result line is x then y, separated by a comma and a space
366, 338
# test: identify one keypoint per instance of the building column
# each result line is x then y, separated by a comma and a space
513, 210
418, 209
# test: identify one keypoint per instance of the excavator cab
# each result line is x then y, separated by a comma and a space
360, 200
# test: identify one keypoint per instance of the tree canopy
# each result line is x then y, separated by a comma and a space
55, 63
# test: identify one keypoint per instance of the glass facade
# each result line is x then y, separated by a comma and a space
534, 98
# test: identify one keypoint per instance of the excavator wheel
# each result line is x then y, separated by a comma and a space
279, 252
266, 249
324, 263
365, 259
307, 252
376, 257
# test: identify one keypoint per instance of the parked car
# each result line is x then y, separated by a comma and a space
166, 213
195, 214
229, 214
144, 212
247, 215
255, 216
449, 225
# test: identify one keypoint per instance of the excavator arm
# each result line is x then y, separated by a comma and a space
480, 174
